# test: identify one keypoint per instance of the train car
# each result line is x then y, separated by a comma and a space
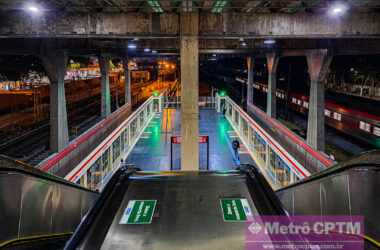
361, 125
358, 124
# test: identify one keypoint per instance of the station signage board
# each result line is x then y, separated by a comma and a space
235, 210
139, 212
177, 139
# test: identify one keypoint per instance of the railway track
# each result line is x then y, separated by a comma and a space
33, 146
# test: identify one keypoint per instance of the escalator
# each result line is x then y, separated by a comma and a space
349, 188
186, 210
38, 210
176, 209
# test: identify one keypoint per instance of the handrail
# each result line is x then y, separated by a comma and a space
316, 154
289, 158
113, 187
269, 199
31, 171
56, 158
75, 172
339, 168
35, 238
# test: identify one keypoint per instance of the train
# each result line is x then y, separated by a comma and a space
361, 125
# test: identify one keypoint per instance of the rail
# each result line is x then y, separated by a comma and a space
96, 168
313, 160
62, 162
276, 163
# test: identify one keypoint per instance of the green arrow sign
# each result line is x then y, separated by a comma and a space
138, 212
235, 210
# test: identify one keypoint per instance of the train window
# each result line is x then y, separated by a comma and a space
337, 116
305, 104
327, 112
365, 126
376, 131
294, 100
299, 102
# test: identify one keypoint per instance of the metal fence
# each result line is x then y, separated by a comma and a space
63, 162
96, 168
314, 161
276, 163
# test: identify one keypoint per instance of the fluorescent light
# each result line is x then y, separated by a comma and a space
33, 8
146, 50
132, 46
269, 41
154, 51
337, 10
243, 44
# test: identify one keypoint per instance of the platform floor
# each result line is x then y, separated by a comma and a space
152, 151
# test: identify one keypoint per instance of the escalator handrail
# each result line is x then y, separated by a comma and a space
338, 168
34, 172
255, 176
86, 224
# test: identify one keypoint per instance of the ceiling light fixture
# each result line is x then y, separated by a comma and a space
269, 41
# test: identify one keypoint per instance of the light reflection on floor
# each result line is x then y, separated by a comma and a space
152, 151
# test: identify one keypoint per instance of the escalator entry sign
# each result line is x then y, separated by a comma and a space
138, 212
235, 210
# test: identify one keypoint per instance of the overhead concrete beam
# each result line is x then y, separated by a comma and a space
229, 24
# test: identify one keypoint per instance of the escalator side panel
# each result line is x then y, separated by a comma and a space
353, 191
39, 206
9, 206
36, 208
67, 209
334, 195
365, 199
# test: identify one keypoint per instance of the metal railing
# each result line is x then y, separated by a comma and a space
314, 161
97, 167
276, 163
63, 162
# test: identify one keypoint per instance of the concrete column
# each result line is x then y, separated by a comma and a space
104, 63
189, 91
55, 63
127, 83
272, 63
250, 80
318, 62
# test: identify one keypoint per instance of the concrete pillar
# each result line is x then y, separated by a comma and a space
318, 62
55, 63
104, 63
189, 91
272, 63
127, 82
250, 81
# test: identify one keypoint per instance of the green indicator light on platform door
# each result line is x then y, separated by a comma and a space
222, 93
155, 93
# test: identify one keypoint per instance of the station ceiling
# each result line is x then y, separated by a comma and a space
245, 6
